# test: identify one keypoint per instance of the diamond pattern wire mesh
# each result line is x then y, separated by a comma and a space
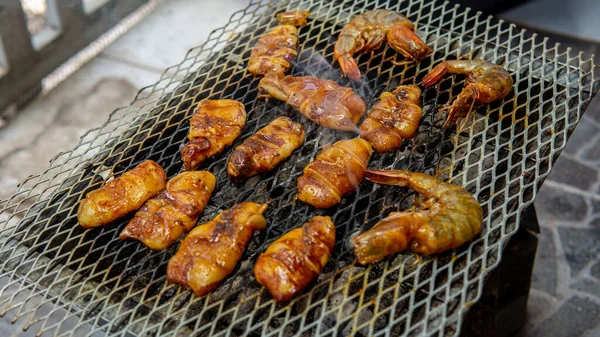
64, 280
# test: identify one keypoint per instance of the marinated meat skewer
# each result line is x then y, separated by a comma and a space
211, 251
121, 195
322, 101
265, 149
276, 50
296, 259
336, 171
173, 212
215, 125
394, 117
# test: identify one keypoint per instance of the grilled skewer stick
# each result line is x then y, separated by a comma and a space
451, 217
211, 251
277, 49
173, 212
296, 259
369, 30
121, 195
265, 149
336, 171
322, 101
215, 125
395, 117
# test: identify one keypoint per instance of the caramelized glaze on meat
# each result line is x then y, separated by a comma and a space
322, 101
265, 149
215, 125
395, 117
275, 51
121, 195
173, 212
294, 18
296, 259
211, 251
336, 171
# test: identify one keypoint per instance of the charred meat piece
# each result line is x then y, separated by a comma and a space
121, 195
275, 51
296, 259
173, 212
322, 101
336, 171
294, 18
211, 251
215, 125
265, 149
395, 117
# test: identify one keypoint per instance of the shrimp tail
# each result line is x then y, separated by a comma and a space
435, 74
386, 177
349, 66
404, 40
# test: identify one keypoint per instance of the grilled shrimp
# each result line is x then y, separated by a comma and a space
173, 212
212, 250
486, 83
296, 258
121, 195
336, 171
294, 18
322, 101
265, 149
453, 217
395, 117
215, 125
369, 30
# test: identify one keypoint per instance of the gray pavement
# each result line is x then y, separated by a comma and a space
565, 295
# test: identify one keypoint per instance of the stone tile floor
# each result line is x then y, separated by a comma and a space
565, 294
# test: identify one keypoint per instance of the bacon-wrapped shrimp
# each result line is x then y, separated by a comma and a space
215, 125
322, 101
211, 251
265, 149
173, 212
336, 171
369, 30
452, 216
121, 195
276, 50
294, 18
395, 117
486, 82
296, 258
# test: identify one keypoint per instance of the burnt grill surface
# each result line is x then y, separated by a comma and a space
63, 279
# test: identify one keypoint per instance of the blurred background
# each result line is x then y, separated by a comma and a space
66, 64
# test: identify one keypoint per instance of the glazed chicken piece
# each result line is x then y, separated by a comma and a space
369, 30
276, 50
322, 101
265, 149
173, 212
121, 195
451, 216
336, 171
294, 18
395, 117
211, 251
215, 125
296, 259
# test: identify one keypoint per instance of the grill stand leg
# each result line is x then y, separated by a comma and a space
501, 311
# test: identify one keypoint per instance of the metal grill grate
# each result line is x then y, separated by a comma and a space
64, 280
